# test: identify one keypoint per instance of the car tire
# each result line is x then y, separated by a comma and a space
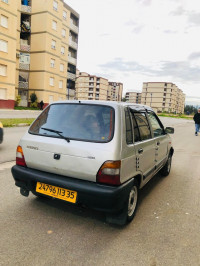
127, 214
132, 203
167, 167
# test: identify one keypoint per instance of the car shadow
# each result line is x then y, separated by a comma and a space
61, 208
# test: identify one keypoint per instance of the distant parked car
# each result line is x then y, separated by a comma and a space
1, 132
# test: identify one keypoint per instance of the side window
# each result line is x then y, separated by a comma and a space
143, 126
156, 126
135, 128
129, 133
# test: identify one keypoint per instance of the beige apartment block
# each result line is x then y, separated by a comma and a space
115, 91
133, 97
163, 97
89, 87
8, 42
45, 50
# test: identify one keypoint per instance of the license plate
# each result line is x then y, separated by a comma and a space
57, 192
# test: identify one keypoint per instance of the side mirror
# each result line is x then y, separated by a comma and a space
169, 130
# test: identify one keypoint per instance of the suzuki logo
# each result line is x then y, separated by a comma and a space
56, 156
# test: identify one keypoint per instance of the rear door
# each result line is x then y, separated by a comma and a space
144, 145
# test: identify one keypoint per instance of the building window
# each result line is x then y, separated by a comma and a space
51, 81
52, 63
4, 21
60, 84
65, 15
55, 5
3, 70
62, 50
63, 32
3, 94
53, 44
62, 67
5, 1
3, 46
54, 25
50, 99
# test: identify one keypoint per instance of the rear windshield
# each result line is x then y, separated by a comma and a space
76, 121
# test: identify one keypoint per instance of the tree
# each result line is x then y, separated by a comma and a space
190, 109
33, 97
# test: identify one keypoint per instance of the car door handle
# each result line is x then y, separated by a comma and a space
140, 151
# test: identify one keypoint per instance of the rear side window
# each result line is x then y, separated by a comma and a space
143, 126
76, 121
129, 134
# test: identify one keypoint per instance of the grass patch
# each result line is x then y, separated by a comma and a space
25, 108
189, 117
13, 122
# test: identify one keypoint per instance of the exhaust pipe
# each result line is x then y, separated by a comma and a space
24, 192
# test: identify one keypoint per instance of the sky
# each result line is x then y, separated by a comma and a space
136, 41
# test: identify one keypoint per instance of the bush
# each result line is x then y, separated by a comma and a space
17, 100
33, 97
34, 105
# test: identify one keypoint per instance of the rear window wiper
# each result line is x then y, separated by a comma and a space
57, 132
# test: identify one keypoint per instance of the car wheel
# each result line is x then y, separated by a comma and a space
167, 167
127, 214
132, 202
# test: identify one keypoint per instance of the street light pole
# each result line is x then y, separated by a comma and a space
151, 98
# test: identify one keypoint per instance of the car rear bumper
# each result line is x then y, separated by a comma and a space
96, 196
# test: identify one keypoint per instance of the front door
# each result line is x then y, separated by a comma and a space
161, 141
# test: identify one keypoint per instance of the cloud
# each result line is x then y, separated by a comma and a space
144, 2
180, 70
194, 18
194, 56
170, 31
178, 12
136, 28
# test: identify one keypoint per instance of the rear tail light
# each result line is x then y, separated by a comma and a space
109, 173
20, 157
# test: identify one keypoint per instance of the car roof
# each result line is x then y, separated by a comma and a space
133, 106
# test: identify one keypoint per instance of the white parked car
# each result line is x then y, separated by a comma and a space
94, 153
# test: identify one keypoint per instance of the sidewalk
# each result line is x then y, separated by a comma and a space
6, 113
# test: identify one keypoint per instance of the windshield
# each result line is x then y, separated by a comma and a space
76, 121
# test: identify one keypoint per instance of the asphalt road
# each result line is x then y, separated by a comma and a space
165, 230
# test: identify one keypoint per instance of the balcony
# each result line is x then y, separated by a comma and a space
26, 9
71, 76
72, 60
73, 44
25, 47
23, 85
91, 85
24, 66
73, 27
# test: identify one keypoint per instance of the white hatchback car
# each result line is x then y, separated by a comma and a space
94, 153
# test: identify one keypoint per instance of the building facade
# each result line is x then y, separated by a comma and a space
45, 50
133, 97
8, 43
90, 87
163, 97
115, 90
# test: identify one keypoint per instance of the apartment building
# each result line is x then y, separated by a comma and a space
133, 97
8, 41
45, 50
90, 87
163, 97
114, 91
